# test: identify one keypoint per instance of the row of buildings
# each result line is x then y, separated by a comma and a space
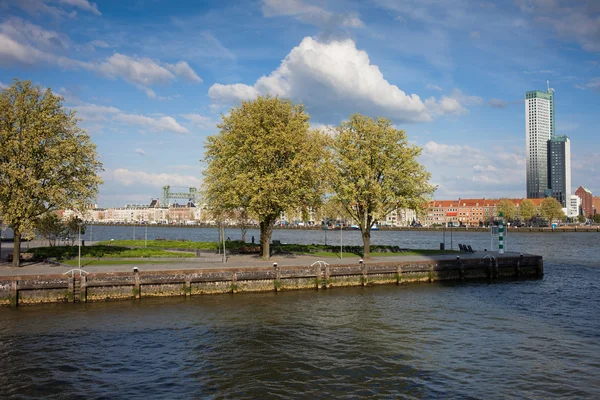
468, 212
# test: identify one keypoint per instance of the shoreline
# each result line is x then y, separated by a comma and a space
38, 283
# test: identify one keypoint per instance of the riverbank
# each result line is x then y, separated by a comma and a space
44, 283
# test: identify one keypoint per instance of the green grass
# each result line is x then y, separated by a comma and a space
86, 262
174, 244
101, 251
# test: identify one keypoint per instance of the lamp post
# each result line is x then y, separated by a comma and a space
146, 236
79, 232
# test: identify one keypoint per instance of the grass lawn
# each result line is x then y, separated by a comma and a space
100, 251
173, 244
86, 262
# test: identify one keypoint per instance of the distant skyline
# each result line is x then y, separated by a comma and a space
150, 79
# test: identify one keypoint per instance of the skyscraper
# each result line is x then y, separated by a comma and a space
539, 128
559, 168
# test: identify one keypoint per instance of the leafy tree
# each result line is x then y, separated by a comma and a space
376, 171
528, 210
265, 160
551, 209
51, 227
581, 218
507, 208
72, 228
47, 162
597, 218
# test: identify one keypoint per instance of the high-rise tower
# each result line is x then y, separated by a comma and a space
559, 168
539, 128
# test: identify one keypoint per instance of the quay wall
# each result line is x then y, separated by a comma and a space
106, 286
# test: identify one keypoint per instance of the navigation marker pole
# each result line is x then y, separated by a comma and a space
500, 235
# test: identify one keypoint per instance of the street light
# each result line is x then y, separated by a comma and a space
79, 231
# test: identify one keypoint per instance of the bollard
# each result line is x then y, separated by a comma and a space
363, 268
136, 285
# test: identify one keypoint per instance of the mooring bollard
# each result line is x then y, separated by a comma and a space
136, 283
363, 268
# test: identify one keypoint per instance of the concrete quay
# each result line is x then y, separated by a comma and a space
36, 283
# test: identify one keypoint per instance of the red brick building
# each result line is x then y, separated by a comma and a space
587, 208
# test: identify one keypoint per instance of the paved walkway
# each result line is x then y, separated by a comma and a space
234, 261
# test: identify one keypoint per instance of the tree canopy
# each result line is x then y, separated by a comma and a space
551, 209
374, 171
507, 208
47, 162
266, 160
527, 210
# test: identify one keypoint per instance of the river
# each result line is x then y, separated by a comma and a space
526, 339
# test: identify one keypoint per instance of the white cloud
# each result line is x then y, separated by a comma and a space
593, 84
165, 124
184, 70
199, 120
497, 103
127, 178
23, 43
229, 94
433, 87
141, 71
466, 170
475, 35
335, 79
3, 86
98, 43
97, 113
144, 72
309, 13
84, 5
140, 152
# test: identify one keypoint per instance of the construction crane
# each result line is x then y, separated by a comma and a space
191, 195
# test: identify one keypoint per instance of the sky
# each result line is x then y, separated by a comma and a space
150, 79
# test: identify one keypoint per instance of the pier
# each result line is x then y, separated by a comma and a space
46, 283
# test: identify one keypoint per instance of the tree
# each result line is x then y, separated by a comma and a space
47, 162
551, 209
73, 227
581, 218
375, 171
507, 208
265, 160
528, 210
51, 227
597, 218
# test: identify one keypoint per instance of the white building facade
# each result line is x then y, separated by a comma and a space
539, 128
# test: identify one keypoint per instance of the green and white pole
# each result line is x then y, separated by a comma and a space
500, 236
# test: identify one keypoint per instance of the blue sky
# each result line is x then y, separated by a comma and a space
150, 79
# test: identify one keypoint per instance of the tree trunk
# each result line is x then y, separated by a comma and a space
17, 249
244, 229
266, 229
366, 237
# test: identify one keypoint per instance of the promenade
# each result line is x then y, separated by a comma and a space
233, 262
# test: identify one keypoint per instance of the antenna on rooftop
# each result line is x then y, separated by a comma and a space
548, 88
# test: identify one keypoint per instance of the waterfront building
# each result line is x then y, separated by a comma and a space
595, 205
539, 128
586, 201
559, 168
573, 208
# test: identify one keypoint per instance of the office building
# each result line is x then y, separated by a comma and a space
539, 128
559, 168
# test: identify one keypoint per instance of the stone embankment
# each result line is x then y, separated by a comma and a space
178, 279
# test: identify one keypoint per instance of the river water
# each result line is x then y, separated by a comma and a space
526, 339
